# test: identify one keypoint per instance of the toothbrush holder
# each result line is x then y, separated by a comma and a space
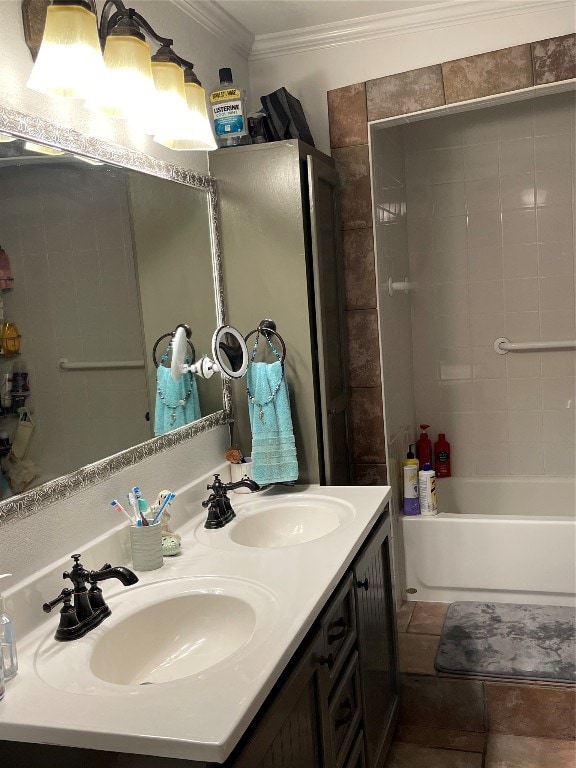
238, 471
146, 544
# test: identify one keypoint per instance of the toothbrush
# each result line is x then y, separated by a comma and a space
133, 503
141, 503
167, 500
115, 504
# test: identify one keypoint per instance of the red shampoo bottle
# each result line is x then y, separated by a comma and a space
442, 456
424, 447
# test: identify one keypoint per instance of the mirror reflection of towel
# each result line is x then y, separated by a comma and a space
274, 457
173, 393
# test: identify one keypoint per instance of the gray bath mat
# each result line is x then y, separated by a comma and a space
532, 642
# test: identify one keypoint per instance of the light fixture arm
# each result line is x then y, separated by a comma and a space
109, 20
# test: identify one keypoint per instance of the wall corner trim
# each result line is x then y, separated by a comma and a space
210, 16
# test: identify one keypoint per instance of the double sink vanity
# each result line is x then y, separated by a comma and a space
269, 639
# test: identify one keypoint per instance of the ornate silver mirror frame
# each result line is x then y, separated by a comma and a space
36, 129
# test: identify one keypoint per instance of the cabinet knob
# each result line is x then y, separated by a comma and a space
326, 661
363, 584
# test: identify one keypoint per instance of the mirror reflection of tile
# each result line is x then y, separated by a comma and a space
89, 286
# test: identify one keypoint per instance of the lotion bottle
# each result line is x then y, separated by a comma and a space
7, 641
427, 488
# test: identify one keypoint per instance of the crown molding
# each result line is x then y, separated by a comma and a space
444, 14
210, 16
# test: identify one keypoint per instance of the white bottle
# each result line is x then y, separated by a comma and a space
427, 486
7, 641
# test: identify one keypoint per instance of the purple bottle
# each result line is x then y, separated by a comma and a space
410, 467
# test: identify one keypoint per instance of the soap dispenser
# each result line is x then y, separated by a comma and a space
7, 641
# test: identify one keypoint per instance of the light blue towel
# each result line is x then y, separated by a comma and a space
165, 418
273, 448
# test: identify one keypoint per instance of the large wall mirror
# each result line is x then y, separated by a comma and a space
109, 251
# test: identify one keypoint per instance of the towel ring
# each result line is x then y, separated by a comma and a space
171, 334
268, 328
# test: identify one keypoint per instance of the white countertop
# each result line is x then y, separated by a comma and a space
203, 716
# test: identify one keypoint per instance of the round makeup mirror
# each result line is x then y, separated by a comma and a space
230, 352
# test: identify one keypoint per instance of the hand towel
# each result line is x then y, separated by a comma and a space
174, 393
274, 457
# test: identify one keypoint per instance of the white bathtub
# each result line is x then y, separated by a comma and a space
503, 540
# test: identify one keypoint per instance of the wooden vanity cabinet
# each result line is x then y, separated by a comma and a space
377, 645
336, 705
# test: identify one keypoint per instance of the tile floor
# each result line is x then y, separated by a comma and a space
457, 723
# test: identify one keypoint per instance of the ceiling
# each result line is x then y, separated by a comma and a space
262, 17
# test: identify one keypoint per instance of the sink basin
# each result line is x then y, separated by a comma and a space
176, 638
287, 522
162, 633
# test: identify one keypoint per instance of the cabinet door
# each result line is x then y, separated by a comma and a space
290, 734
328, 288
356, 756
377, 645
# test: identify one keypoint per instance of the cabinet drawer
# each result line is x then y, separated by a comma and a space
344, 712
338, 628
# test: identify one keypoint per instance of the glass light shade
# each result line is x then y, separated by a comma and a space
169, 117
127, 89
199, 136
69, 62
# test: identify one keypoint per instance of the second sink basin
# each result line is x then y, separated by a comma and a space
282, 521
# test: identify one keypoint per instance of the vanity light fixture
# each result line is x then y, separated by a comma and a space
5, 138
199, 134
126, 82
126, 90
69, 62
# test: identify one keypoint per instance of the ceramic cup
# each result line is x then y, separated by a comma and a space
146, 544
238, 471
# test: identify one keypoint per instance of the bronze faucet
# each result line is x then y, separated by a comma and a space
89, 608
219, 507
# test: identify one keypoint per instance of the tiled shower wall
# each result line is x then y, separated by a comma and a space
490, 210
350, 109
391, 233
66, 230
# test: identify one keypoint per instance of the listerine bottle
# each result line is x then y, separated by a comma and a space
228, 104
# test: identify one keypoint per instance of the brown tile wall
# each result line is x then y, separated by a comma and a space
349, 110
507, 70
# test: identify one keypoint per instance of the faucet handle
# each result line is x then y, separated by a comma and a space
217, 486
64, 597
77, 574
